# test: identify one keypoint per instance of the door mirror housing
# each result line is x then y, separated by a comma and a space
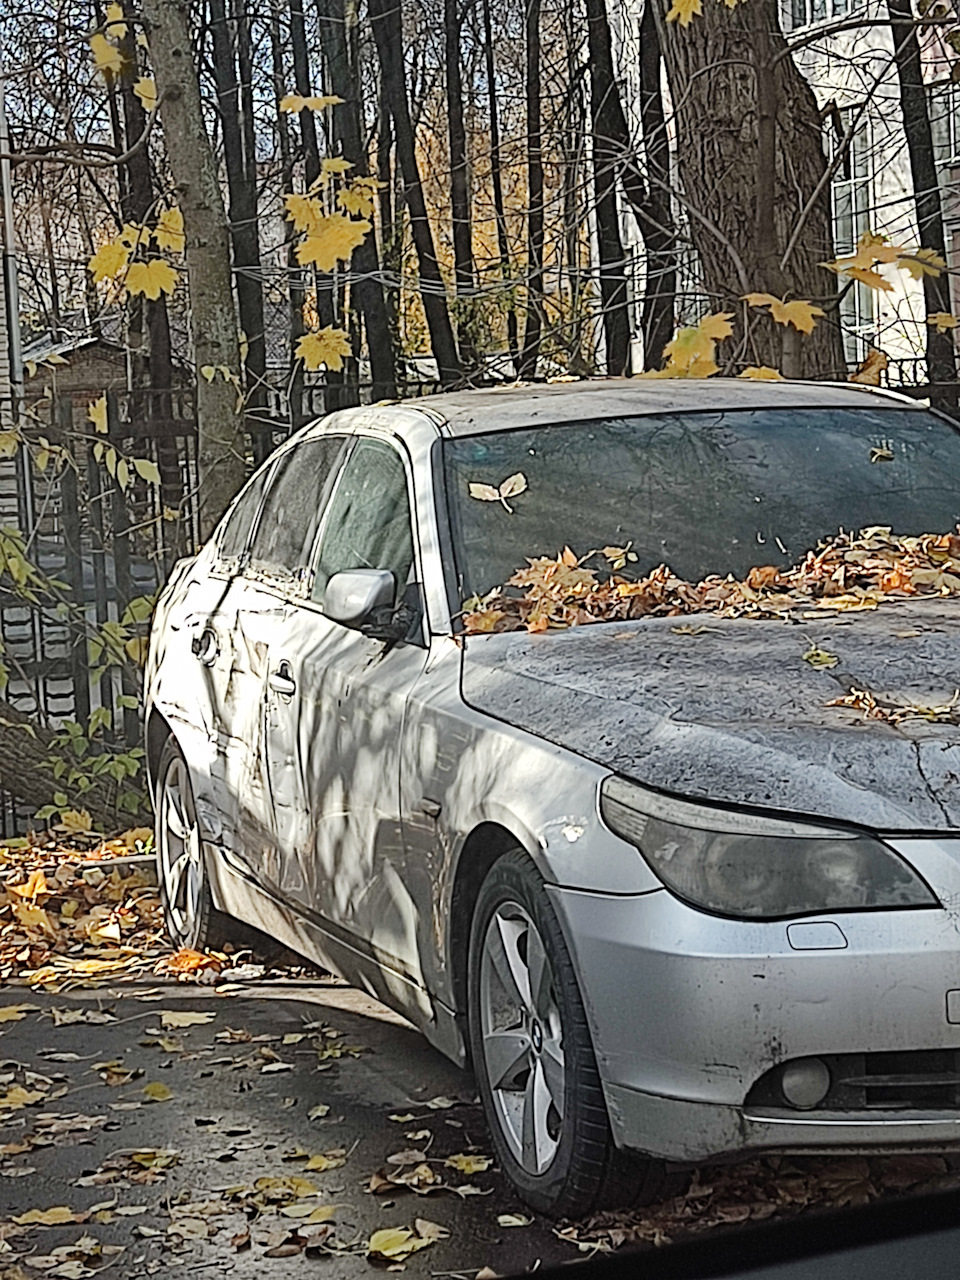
361, 599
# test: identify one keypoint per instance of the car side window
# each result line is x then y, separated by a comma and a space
368, 525
236, 526
299, 491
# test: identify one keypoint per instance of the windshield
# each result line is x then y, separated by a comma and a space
705, 493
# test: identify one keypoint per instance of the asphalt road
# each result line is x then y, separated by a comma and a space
234, 1104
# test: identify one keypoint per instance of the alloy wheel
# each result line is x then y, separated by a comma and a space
522, 1037
180, 855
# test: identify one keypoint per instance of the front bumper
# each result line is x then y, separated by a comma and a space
689, 1011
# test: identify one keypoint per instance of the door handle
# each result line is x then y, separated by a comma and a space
206, 646
281, 681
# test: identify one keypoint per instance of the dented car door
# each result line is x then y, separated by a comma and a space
334, 720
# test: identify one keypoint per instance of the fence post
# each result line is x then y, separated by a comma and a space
123, 585
73, 562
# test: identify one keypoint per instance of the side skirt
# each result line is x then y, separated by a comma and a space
236, 894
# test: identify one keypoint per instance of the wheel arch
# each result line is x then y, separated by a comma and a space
483, 847
156, 733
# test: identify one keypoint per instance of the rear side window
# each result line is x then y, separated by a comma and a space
236, 526
368, 526
298, 492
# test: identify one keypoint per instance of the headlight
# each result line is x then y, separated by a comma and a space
761, 868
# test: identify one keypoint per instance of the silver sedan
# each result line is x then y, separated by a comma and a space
668, 903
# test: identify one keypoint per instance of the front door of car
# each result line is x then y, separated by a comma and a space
275, 578
335, 718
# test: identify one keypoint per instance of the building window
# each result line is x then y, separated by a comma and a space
943, 102
804, 13
852, 205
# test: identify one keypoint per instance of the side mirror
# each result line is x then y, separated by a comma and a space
354, 597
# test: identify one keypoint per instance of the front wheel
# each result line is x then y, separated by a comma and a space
533, 1055
191, 918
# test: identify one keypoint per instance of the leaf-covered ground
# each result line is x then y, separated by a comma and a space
176, 1113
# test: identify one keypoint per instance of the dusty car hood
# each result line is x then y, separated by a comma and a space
735, 714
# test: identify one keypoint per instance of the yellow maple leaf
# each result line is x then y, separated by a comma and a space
326, 347
717, 325
334, 166
97, 414
132, 235
762, 373
168, 233
114, 22
870, 368
872, 247
684, 11
921, 262
75, 820
798, 314
294, 102
107, 58
151, 278
688, 347
333, 241
872, 279
356, 200
304, 212
146, 90
943, 321
109, 261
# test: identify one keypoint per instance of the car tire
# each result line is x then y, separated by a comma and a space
191, 918
533, 1056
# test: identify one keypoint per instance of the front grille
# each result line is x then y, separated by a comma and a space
911, 1080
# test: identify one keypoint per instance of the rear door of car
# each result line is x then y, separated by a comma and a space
335, 717
214, 681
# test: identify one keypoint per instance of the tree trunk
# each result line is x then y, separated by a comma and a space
367, 289
459, 185
213, 321
240, 163
496, 179
323, 280
941, 358
654, 213
750, 156
388, 33
609, 136
294, 271
533, 328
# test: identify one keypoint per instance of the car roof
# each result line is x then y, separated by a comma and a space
515, 405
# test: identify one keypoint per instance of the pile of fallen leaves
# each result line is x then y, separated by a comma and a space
65, 918
755, 1190
848, 573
